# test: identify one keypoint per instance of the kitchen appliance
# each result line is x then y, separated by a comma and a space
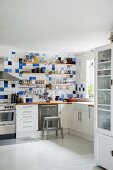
7, 121
47, 111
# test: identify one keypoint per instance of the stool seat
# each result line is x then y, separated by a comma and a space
51, 118
47, 128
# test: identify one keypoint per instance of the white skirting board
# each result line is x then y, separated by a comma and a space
81, 135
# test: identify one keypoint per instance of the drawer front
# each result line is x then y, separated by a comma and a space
82, 107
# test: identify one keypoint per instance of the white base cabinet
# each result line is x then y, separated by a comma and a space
26, 120
81, 118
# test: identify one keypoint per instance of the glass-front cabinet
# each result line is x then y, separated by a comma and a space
104, 89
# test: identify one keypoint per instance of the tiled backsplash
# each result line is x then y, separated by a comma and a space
14, 67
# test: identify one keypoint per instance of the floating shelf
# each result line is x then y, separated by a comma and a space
46, 73
47, 63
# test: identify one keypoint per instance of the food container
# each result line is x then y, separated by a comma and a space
72, 100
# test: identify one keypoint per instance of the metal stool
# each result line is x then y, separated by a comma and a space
47, 128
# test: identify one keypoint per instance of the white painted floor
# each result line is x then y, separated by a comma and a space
70, 153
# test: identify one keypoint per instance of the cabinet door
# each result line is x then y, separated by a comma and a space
84, 122
102, 150
77, 123
62, 113
91, 121
70, 116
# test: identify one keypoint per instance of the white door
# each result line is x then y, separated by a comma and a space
102, 150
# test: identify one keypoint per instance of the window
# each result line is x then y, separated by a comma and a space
90, 78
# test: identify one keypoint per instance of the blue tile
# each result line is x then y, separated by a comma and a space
13, 85
20, 66
35, 64
32, 78
9, 62
9, 70
69, 95
5, 84
16, 70
21, 92
30, 89
3, 96
1, 89
13, 52
24, 64
5, 70
29, 100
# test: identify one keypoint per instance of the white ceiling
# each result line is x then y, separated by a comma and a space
55, 25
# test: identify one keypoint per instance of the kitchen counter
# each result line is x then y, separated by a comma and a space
57, 102
43, 102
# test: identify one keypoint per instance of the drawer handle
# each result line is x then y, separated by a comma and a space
27, 126
26, 116
27, 121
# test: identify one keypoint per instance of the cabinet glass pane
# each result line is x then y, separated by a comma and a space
104, 73
104, 56
104, 82
104, 97
106, 107
104, 65
103, 121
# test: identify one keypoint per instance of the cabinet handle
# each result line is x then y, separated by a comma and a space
111, 153
80, 116
89, 113
111, 82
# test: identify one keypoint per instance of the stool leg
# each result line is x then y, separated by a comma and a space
43, 128
56, 133
47, 134
62, 133
59, 124
47, 130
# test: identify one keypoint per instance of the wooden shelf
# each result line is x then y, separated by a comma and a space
47, 63
46, 74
